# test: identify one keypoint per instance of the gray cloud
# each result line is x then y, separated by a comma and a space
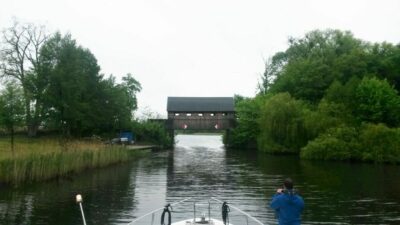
199, 48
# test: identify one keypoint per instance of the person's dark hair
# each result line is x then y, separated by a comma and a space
288, 183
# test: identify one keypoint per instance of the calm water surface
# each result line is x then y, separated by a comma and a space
199, 166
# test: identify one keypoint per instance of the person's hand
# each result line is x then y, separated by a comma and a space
279, 190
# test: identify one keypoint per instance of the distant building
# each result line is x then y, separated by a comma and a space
201, 113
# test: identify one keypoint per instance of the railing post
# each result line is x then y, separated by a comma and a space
209, 211
154, 211
79, 201
194, 212
241, 211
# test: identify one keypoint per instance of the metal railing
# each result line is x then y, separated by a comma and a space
247, 216
152, 213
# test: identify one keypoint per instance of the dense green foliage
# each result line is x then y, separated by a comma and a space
11, 106
379, 143
152, 132
329, 96
11, 109
246, 131
370, 142
281, 123
60, 86
377, 102
79, 100
338, 143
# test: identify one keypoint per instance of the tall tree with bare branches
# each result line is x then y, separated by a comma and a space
20, 60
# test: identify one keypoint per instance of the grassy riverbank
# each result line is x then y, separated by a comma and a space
45, 158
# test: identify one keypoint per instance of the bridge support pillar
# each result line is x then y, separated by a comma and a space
226, 137
171, 134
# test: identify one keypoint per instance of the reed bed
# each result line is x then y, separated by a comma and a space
36, 160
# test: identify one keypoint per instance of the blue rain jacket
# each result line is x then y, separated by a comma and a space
288, 207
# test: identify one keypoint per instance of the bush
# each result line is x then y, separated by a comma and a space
152, 132
380, 143
244, 135
327, 115
281, 124
378, 102
338, 143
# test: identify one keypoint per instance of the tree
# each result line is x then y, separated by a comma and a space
80, 101
120, 103
380, 143
377, 102
20, 60
337, 143
11, 109
385, 62
245, 133
272, 66
132, 87
310, 64
281, 124
72, 95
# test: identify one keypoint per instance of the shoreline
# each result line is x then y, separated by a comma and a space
50, 162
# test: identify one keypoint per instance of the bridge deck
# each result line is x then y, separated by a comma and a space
200, 113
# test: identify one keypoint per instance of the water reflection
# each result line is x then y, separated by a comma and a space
199, 166
105, 191
335, 192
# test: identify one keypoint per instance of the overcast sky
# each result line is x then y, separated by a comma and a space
203, 47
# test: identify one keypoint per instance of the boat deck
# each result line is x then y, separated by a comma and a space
200, 221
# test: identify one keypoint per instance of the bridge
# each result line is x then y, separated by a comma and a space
200, 113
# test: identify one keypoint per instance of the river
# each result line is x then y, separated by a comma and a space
199, 166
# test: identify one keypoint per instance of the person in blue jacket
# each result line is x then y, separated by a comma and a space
287, 204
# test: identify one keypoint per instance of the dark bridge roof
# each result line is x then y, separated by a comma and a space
200, 104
